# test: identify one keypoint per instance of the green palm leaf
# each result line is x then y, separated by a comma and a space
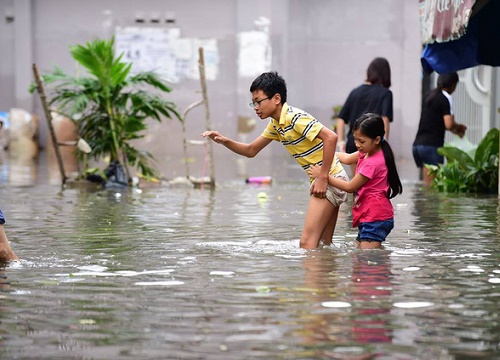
455, 154
109, 105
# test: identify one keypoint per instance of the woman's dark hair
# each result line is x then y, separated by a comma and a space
444, 81
372, 125
379, 72
270, 83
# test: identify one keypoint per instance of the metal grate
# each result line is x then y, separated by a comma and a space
467, 112
471, 102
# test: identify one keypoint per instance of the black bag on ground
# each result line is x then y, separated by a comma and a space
116, 176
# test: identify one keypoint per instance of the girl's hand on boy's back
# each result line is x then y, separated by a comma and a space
314, 171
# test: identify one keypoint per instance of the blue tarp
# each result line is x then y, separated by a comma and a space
479, 46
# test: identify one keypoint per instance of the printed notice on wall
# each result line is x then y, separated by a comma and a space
163, 51
254, 53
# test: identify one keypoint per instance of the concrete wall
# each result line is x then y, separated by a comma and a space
321, 47
7, 95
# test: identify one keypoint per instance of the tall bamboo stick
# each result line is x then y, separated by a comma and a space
208, 124
48, 117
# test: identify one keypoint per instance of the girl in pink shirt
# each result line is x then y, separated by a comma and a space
376, 181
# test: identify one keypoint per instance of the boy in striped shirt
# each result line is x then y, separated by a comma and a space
308, 141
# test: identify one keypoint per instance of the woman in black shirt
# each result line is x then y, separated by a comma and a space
373, 96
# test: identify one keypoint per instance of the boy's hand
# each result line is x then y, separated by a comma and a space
214, 135
318, 187
314, 171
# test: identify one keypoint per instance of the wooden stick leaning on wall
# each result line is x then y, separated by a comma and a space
208, 124
48, 117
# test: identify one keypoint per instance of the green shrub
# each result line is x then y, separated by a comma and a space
469, 171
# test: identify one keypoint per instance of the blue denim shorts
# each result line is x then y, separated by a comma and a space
426, 154
2, 218
375, 231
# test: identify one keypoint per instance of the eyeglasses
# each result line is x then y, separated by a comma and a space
256, 104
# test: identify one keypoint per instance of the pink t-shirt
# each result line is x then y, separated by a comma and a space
370, 201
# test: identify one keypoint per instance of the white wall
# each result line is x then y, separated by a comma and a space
7, 95
321, 47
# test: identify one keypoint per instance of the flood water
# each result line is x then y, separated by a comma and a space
176, 273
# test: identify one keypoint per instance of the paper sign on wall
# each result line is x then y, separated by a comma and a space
163, 50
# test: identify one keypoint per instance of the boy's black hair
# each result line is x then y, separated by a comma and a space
379, 72
270, 83
372, 125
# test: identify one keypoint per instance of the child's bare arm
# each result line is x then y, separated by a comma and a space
347, 159
248, 150
349, 186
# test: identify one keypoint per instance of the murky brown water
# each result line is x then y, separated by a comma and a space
171, 273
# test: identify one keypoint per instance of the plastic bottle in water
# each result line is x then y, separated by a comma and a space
259, 180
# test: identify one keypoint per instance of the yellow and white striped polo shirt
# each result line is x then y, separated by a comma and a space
298, 131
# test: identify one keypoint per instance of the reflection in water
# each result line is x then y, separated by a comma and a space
321, 281
443, 217
18, 172
5, 315
44, 169
356, 311
371, 290
104, 220
498, 220
189, 274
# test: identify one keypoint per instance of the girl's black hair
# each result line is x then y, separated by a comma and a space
444, 81
379, 72
372, 125
270, 83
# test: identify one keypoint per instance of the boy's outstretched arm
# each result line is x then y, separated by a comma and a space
248, 150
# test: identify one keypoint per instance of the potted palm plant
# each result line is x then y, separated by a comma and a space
110, 106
